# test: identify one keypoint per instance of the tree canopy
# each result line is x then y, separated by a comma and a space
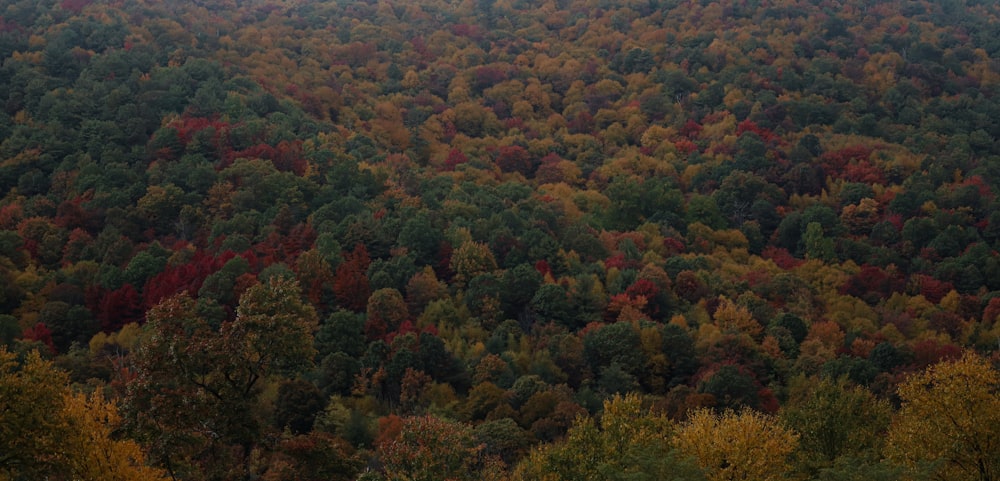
270, 239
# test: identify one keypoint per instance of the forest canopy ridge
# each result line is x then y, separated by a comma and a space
289, 239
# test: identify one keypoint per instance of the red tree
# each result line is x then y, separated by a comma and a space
455, 158
873, 283
120, 307
41, 333
186, 277
351, 283
514, 158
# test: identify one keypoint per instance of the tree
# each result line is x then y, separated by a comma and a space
350, 284
836, 422
503, 438
615, 344
818, 246
627, 443
316, 456
515, 158
120, 307
551, 303
470, 260
49, 432
734, 318
343, 331
221, 285
482, 297
428, 448
297, 405
421, 237
170, 405
386, 311
679, 349
30, 395
484, 399
98, 454
741, 446
519, 286
194, 395
423, 288
273, 330
315, 276
732, 387
950, 416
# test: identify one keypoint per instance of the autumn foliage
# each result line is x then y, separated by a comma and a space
482, 240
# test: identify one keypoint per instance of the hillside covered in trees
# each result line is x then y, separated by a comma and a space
499, 240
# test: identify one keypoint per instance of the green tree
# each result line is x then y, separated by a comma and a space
551, 303
732, 387
705, 209
220, 285
739, 190
421, 237
837, 422
519, 287
297, 405
194, 400
273, 330
503, 438
817, 245
617, 347
343, 331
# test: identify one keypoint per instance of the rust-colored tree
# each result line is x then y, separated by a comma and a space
350, 285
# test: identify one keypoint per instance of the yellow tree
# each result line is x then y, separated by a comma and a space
730, 317
49, 432
735, 446
30, 395
628, 443
97, 454
471, 259
950, 419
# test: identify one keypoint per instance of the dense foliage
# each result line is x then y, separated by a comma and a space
296, 239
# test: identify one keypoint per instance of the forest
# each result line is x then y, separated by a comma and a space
503, 240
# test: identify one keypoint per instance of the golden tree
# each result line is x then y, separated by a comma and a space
628, 443
950, 419
471, 259
97, 454
742, 446
49, 432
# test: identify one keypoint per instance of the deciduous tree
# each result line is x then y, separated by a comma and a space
350, 283
428, 448
49, 432
950, 416
737, 446
628, 442
836, 422
193, 395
